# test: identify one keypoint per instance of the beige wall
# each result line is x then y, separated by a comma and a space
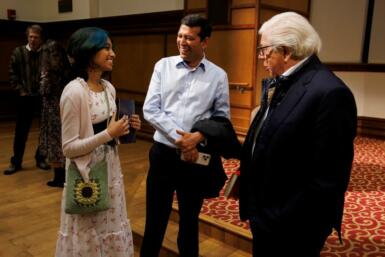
369, 91
80, 10
47, 10
124, 7
341, 25
44, 10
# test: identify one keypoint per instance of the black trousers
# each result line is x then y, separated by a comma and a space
168, 174
27, 107
292, 239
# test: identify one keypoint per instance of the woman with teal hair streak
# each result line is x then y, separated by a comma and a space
86, 105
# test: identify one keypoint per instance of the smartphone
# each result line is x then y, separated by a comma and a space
203, 158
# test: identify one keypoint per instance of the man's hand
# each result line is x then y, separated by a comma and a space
187, 144
190, 156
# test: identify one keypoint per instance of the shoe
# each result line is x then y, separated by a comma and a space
54, 183
43, 165
58, 179
12, 169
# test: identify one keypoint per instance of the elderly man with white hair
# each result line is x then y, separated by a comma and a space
297, 156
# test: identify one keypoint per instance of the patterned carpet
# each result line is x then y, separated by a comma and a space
363, 228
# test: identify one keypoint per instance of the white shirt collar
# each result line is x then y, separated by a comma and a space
29, 48
292, 69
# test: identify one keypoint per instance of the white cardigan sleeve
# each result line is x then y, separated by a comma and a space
77, 133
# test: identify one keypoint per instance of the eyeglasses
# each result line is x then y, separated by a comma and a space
261, 51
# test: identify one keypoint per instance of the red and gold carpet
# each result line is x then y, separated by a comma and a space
363, 228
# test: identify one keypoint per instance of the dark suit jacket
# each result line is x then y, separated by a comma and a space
221, 141
303, 154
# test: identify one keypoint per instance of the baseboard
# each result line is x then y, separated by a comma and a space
371, 127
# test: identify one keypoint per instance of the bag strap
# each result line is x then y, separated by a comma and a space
108, 104
108, 120
108, 116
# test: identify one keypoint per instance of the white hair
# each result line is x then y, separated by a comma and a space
293, 31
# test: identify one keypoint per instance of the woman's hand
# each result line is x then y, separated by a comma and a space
135, 122
118, 128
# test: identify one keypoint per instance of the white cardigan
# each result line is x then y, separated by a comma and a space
78, 138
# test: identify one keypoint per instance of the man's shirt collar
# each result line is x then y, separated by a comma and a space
29, 48
292, 69
181, 63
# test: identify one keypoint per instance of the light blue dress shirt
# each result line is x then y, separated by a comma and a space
179, 96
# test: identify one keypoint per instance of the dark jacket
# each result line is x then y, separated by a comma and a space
221, 141
25, 70
300, 168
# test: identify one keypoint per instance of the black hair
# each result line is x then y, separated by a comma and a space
196, 20
60, 63
55, 66
82, 47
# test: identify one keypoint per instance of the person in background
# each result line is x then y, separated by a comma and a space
184, 90
24, 70
54, 77
87, 138
297, 156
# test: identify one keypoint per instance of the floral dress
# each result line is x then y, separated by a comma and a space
54, 77
107, 233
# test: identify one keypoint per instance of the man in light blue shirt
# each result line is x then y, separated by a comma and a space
183, 90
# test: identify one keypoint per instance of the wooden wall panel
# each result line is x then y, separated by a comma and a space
241, 106
243, 16
171, 48
196, 4
136, 56
371, 127
233, 50
12, 35
266, 14
240, 119
295, 5
242, 2
241, 99
7, 45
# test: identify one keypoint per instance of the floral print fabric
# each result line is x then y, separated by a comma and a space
103, 234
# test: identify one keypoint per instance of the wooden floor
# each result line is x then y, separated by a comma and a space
30, 210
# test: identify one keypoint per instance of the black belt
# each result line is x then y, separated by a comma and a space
99, 127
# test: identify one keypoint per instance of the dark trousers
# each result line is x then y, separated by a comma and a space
166, 175
288, 240
27, 107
